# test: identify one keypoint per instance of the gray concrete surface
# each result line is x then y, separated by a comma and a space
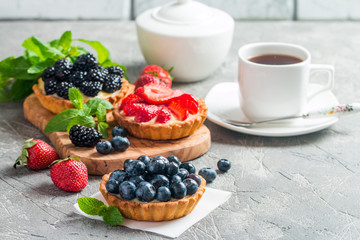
303, 187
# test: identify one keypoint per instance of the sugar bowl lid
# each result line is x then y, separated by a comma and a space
185, 17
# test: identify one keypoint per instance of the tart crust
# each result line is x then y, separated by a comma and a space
153, 211
164, 131
57, 105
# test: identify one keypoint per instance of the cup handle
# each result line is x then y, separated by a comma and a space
327, 68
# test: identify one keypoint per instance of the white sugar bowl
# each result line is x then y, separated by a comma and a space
189, 36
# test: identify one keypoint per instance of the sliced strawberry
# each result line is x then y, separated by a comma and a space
164, 115
132, 109
155, 93
146, 112
179, 111
159, 72
189, 101
146, 78
131, 98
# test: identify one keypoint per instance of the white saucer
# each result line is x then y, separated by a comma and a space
223, 103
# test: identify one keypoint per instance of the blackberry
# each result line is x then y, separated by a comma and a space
48, 73
63, 69
84, 136
62, 89
116, 70
77, 78
112, 83
50, 86
96, 74
85, 62
90, 89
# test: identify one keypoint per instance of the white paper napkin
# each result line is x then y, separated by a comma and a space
211, 199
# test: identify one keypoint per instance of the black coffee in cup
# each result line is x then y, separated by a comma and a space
275, 59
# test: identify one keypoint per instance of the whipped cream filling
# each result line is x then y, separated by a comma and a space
100, 94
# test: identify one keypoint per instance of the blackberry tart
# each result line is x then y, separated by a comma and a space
85, 74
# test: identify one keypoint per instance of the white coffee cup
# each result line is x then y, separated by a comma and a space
273, 91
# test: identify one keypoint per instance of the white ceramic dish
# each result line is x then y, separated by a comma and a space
223, 103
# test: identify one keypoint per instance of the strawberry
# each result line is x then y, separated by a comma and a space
179, 111
131, 98
155, 93
164, 115
146, 78
189, 102
69, 174
160, 73
36, 154
146, 112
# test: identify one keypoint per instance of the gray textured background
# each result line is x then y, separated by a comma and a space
304, 187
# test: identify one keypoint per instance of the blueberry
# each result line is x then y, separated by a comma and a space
135, 168
162, 158
104, 147
208, 173
183, 173
174, 159
143, 183
112, 186
191, 186
126, 163
119, 131
159, 180
188, 166
224, 165
195, 177
127, 190
172, 169
178, 190
136, 179
144, 158
120, 143
148, 176
145, 192
163, 194
175, 178
155, 166
119, 175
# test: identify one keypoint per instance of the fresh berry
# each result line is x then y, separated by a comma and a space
77, 78
162, 158
195, 177
155, 166
82, 136
112, 186
144, 158
159, 72
175, 178
183, 173
208, 174
163, 194
178, 190
131, 98
189, 102
179, 111
159, 180
116, 70
120, 143
141, 111
191, 186
188, 166
145, 192
69, 175
50, 86
126, 162
62, 89
119, 131
157, 94
104, 147
36, 154
174, 159
112, 83
135, 168
85, 62
90, 88
164, 115
224, 165
172, 169
127, 190
119, 175
147, 78
63, 69
137, 179
49, 73
96, 74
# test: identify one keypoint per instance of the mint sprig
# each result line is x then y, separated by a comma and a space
19, 74
82, 114
111, 215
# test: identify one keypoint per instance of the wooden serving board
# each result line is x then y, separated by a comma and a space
185, 149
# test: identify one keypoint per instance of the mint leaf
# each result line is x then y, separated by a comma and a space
16, 68
35, 45
94, 103
102, 128
76, 98
20, 89
65, 41
113, 216
32, 57
87, 121
4, 95
101, 113
61, 121
102, 52
41, 66
90, 205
